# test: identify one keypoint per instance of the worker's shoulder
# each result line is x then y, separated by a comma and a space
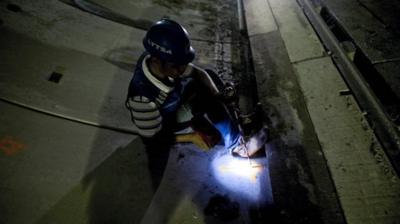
139, 78
141, 86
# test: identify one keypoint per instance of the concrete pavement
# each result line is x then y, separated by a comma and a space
46, 158
95, 174
367, 187
326, 165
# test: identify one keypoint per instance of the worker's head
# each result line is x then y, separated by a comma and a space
169, 45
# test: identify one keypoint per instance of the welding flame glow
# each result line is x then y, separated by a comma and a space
241, 169
238, 175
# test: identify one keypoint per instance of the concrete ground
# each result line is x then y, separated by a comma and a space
377, 37
366, 184
68, 153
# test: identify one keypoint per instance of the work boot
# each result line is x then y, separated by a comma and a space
252, 145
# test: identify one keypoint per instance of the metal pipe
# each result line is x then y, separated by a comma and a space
69, 118
242, 22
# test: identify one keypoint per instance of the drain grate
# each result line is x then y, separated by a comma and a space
55, 77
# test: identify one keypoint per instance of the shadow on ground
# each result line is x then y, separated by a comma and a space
117, 191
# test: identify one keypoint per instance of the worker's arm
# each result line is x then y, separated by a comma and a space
205, 80
145, 115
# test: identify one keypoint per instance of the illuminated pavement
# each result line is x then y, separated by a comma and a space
217, 188
68, 155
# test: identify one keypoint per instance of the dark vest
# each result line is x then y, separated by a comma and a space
141, 86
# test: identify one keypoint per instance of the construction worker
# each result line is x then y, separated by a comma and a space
168, 95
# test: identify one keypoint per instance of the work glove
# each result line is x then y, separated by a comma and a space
201, 140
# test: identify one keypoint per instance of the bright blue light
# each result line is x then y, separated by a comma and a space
238, 175
229, 132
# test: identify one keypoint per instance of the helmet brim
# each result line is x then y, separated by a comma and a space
185, 58
189, 56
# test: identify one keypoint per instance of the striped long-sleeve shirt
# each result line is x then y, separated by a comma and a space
150, 101
146, 115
